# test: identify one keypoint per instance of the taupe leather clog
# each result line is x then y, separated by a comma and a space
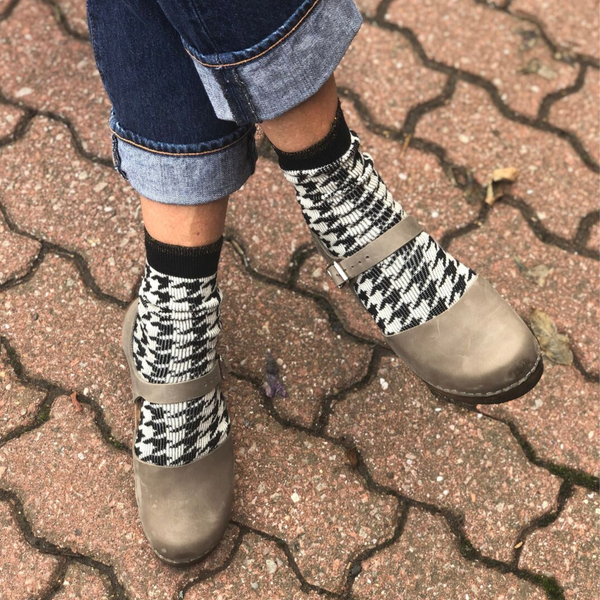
184, 509
479, 351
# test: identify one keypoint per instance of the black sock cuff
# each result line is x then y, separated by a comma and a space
333, 146
182, 261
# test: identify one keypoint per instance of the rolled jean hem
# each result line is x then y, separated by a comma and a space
193, 175
259, 84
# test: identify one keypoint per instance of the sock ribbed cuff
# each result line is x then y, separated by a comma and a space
183, 261
330, 148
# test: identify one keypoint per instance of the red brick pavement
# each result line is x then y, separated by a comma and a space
359, 484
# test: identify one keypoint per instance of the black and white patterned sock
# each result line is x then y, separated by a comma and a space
174, 340
346, 203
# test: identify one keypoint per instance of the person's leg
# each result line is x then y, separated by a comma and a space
346, 204
192, 225
260, 59
285, 81
169, 145
305, 124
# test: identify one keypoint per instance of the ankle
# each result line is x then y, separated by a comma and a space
178, 321
327, 150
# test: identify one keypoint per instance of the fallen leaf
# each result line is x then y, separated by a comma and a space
496, 185
536, 67
405, 145
493, 193
518, 545
76, 402
506, 174
352, 457
554, 345
537, 274
489, 194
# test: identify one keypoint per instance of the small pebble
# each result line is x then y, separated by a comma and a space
271, 566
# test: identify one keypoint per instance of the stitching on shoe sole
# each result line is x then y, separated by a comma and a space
488, 394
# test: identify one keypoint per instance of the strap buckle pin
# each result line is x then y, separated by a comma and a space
339, 275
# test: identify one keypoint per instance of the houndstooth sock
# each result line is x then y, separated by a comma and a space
346, 203
174, 339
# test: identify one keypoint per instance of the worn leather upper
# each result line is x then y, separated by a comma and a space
478, 347
185, 510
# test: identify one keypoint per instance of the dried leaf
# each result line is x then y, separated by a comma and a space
493, 193
518, 545
76, 402
554, 345
352, 457
537, 274
547, 72
506, 174
536, 67
489, 194
405, 145
499, 176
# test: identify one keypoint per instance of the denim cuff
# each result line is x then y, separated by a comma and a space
283, 70
184, 173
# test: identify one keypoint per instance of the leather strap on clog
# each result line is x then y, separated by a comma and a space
173, 393
342, 271
167, 393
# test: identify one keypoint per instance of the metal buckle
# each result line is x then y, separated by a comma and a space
340, 274
224, 365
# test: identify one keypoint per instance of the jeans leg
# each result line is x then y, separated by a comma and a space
167, 140
259, 58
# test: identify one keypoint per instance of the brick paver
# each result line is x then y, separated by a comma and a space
436, 454
569, 548
9, 119
45, 68
102, 211
585, 104
387, 75
552, 178
265, 219
19, 403
17, 253
426, 564
572, 30
493, 45
82, 581
262, 322
358, 483
260, 569
25, 571
294, 486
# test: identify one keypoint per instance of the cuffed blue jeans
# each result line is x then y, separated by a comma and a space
189, 79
